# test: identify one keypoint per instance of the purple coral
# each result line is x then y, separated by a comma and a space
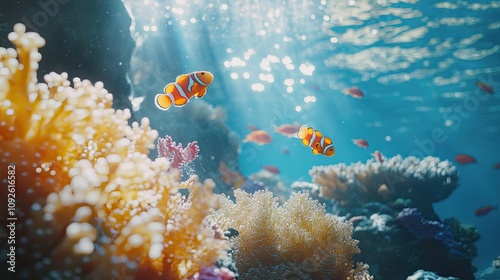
214, 273
177, 155
420, 227
251, 186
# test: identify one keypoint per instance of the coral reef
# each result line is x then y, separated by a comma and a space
297, 237
496, 263
90, 202
420, 227
422, 182
381, 199
427, 275
385, 244
466, 235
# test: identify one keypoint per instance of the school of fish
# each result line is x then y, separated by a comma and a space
195, 84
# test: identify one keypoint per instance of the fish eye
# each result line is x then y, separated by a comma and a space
203, 73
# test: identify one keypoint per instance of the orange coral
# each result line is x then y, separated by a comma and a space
92, 203
299, 234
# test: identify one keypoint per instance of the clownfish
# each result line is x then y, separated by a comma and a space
315, 140
185, 87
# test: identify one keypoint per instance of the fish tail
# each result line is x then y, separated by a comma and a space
302, 132
163, 101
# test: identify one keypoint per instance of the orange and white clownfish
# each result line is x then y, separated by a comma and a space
186, 86
314, 139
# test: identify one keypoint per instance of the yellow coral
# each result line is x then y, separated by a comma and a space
92, 203
300, 233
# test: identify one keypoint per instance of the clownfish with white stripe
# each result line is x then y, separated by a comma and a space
186, 86
314, 139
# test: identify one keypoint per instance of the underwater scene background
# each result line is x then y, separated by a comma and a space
405, 89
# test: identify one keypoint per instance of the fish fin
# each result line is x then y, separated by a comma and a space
202, 92
169, 88
305, 142
302, 133
181, 101
314, 151
318, 134
163, 101
328, 141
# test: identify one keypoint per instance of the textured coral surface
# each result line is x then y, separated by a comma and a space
420, 181
297, 238
90, 203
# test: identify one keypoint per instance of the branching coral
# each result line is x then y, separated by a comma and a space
91, 203
424, 181
467, 235
177, 155
299, 235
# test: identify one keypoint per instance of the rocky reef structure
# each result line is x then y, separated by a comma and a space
496, 263
397, 181
390, 206
396, 244
428, 275
90, 202
298, 239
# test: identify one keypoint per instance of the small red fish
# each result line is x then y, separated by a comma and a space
185, 87
314, 139
378, 156
485, 87
288, 130
360, 142
230, 177
271, 168
464, 159
260, 137
485, 210
496, 165
354, 92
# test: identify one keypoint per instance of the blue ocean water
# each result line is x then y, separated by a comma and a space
280, 62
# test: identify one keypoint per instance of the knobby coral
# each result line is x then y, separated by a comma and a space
424, 181
90, 202
297, 238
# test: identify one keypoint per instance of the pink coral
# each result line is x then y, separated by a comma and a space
177, 155
214, 273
